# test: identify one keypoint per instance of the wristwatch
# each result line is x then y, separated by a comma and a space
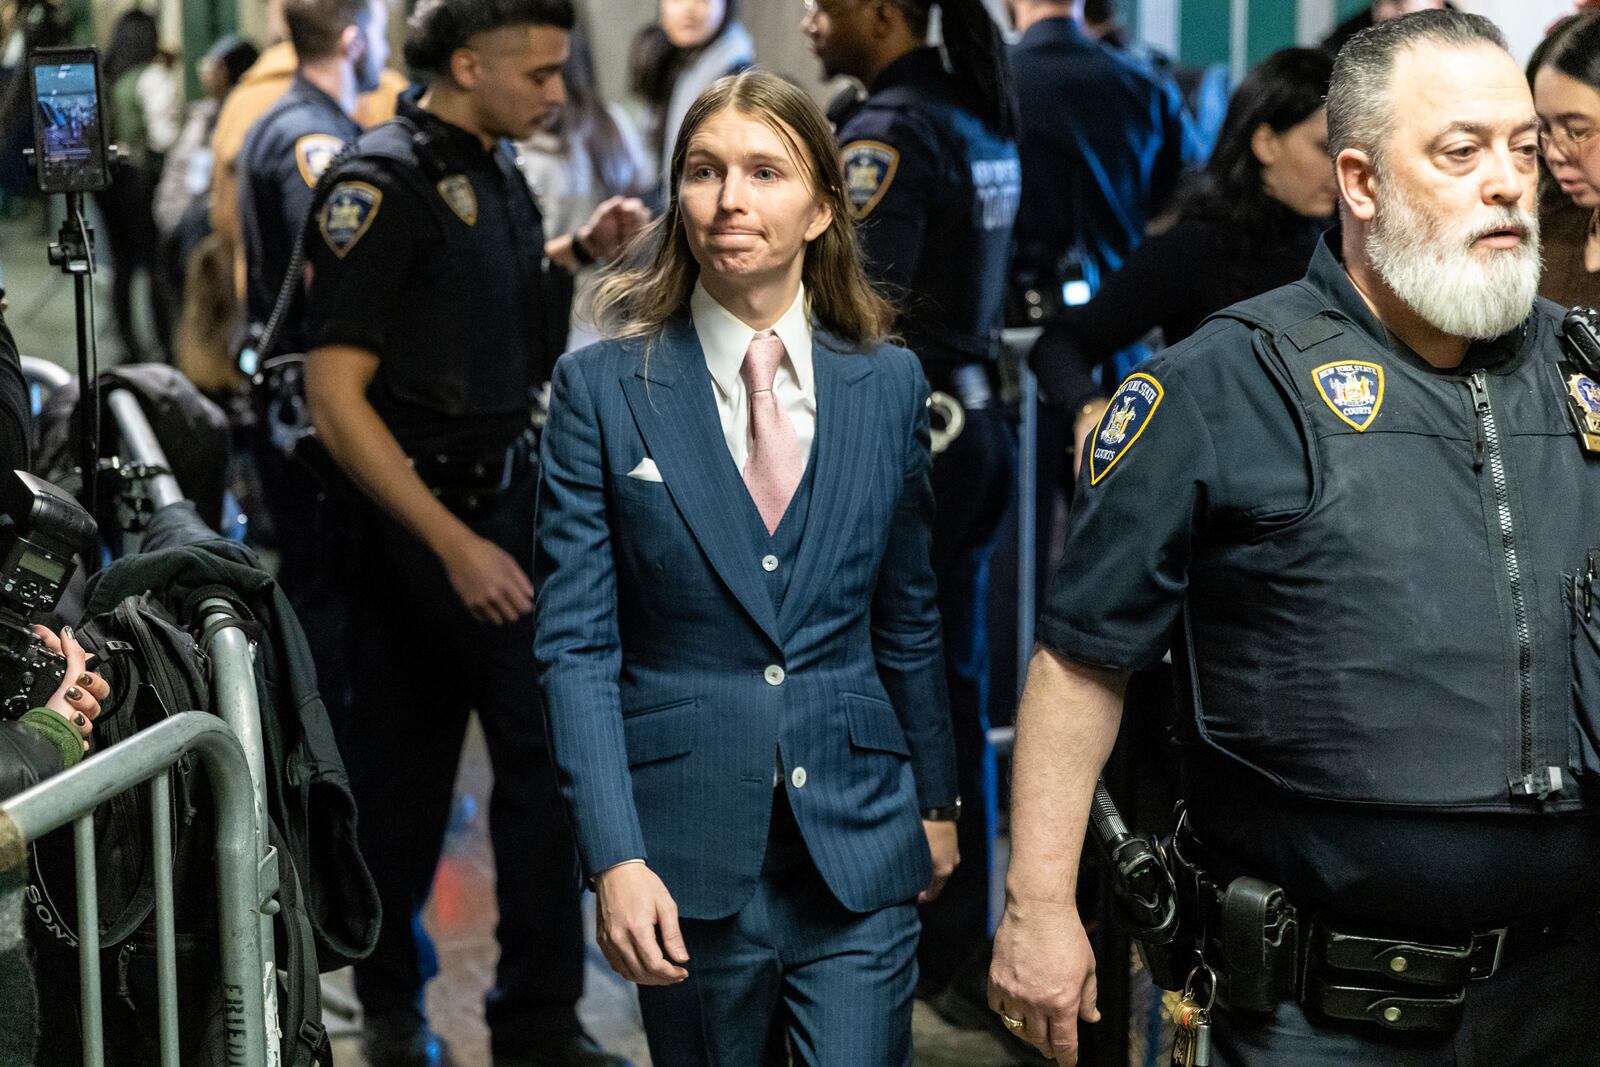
947, 813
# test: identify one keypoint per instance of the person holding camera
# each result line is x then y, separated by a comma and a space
43, 742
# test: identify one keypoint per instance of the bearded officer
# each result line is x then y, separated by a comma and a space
1360, 513
432, 326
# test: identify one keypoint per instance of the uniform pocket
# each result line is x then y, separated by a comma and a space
1583, 610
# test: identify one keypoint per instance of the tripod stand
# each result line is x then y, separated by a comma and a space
72, 251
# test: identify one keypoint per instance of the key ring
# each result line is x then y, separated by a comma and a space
1211, 984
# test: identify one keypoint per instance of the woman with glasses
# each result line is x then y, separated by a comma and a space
1565, 75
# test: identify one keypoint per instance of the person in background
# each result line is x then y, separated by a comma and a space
260, 87
590, 151
1565, 75
693, 43
931, 171
181, 212
146, 110
1380, 11
1248, 224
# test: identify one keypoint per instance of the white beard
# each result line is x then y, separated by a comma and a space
1434, 269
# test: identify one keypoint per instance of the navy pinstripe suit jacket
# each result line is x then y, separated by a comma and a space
657, 631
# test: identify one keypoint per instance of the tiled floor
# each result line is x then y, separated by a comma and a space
461, 918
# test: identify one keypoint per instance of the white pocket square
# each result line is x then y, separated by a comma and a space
646, 471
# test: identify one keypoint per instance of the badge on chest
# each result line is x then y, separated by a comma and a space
1353, 390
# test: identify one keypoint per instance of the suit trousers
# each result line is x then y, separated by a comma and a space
1539, 1010
972, 487
792, 971
422, 664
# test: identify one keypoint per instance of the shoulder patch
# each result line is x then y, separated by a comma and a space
313, 153
456, 190
869, 168
1353, 390
347, 213
1126, 417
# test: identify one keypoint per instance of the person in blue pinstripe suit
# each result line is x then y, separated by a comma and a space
737, 637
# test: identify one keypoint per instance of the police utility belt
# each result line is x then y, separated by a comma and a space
1265, 951
964, 388
471, 481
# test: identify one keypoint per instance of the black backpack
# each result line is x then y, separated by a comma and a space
156, 669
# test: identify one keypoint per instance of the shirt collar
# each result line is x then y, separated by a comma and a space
725, 338
303, 87
1328, 276
461, 148
1059, 29
920, 66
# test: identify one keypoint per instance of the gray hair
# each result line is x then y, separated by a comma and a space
1360, 113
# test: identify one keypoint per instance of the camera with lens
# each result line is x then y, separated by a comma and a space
41, 529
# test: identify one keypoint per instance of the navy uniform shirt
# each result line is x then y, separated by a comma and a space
426, 249
1103, 141
284, 154
1209, 453
935, 192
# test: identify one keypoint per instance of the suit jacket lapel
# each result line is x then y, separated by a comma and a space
842, 477
676, 412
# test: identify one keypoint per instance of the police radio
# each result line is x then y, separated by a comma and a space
42, 529
1580, 335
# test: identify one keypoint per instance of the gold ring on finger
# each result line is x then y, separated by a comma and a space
1014, 1025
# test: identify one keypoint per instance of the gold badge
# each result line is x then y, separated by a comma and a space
457, 192
1584, 403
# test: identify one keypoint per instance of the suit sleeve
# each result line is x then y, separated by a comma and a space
577, 645
906, 639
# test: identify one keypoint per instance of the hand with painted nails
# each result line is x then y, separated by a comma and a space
82, 691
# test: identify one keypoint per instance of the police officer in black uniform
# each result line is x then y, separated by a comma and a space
341, 47
431, 330
931, 168
1361, 512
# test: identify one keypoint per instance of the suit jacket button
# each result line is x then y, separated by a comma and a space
798, 778
773, 675
769, 563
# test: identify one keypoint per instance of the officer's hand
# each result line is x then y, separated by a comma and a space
612, 225
1043, 976
946, 856
488, 581
1083, 425
636, 926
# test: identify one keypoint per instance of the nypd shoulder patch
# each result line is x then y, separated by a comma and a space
458, 195
1125, 419
347, 214
1352, 389
313, 153
869, 168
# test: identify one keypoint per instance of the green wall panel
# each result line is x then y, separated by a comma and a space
1203, 31
1271, 28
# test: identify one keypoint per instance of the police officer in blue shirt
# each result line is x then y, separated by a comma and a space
431, 328
931, 169
1360, 510
341, 47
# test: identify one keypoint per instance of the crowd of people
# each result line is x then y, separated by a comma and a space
675, 440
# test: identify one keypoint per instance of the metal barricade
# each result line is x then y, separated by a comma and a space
149, 756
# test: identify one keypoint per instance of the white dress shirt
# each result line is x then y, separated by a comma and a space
725, 339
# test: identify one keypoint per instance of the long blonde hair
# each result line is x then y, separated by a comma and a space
653, 279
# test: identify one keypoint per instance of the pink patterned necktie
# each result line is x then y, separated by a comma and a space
772, 470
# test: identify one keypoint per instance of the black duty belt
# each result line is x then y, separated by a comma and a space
1266, 951
471, 480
